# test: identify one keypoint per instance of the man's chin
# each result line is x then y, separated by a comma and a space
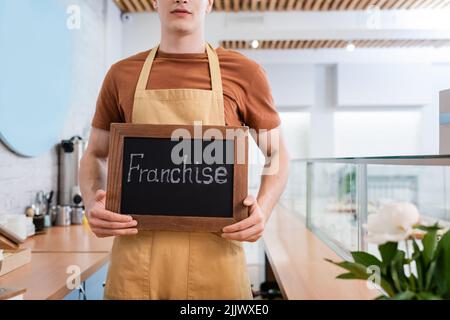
182, 28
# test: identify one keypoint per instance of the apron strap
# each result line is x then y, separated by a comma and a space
214, 69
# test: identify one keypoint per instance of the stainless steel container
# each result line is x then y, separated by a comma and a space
70, 153
63, 215
77, 215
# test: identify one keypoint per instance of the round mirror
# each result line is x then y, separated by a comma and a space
35, 64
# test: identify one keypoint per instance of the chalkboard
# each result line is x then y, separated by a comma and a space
172, 184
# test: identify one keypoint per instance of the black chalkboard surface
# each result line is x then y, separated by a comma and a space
153, 185
165, 189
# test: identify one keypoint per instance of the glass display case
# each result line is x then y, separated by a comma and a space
335, 195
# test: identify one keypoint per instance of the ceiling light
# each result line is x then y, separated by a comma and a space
255, 44
350, 47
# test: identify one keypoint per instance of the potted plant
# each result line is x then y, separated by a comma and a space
419, 270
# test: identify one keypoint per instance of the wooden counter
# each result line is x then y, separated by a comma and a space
52, 253
46, 275
296, 257
68, 239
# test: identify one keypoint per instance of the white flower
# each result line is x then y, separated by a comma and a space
393, 223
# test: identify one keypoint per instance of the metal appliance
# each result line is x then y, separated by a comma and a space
70, 153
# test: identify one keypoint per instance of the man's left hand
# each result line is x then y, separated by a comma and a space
249, 229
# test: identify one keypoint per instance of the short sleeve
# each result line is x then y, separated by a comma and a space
108, 108
259, 111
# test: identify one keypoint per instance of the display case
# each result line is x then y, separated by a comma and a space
335, 195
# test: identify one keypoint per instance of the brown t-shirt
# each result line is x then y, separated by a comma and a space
247, 95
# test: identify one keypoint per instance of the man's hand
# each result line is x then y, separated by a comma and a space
105, 223
250, 229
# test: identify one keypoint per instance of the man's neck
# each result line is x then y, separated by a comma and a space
176, 43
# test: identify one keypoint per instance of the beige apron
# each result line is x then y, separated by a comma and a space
178, 265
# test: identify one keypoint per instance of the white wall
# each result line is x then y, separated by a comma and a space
21, 178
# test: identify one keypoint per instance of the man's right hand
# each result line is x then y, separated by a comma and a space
105, 223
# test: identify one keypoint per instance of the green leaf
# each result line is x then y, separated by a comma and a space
434, 227
412, 282
398, 271
350, 276
359, 271
430, 275
366, 259
387, 251
428, 296
429, 247
405, 295
419, 265
442, 274
395, 277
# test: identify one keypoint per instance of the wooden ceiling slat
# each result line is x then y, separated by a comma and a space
119, 3
436, 4
388, 4
407, 43
299, 4
353, 4
318, 44
326, 6
139, 7
399, 43
379, 4
417, 3
425, 4
227, 5
129, 7
362, 4
295, 5
335, 4
407, 4
432, 4
361, 43
342, 44
281, 5
255, 5
398, 4
344, 4
317, 5
290, 5
334, 44
263, 5
147, 5
308, 5
236, 5
218, 5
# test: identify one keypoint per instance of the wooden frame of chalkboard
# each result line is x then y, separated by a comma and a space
119, 132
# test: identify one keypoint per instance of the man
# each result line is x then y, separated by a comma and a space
182, 81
